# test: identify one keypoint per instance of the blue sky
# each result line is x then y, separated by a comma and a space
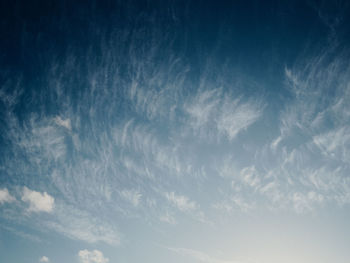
175, 131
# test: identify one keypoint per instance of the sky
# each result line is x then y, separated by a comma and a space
174, 131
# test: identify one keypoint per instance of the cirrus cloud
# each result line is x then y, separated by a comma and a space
5, 196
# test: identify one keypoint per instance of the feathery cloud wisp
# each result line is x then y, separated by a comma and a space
132, 196
5, 196
182, 202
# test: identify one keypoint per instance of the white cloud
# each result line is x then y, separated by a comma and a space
5, 196
272, 191
291, 78
250, 176
93, 256
44, 259
276, 142
237, 116
81, 225
136, 137
38, 202
242, 204
168, 218
305, 202
183, 203
203, 106
64, 123
132, 196
334, 143
223, 206
39, 140
209, 112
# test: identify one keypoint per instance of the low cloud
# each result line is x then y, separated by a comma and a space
38, 202
93, 256
44, 259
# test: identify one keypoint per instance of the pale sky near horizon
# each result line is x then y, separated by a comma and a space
175, 131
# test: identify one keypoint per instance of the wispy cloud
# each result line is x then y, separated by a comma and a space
212, 109
81, 225
250, 177
305, 202
5, 196
313, 137
132, 196
183, 203
146, 141
335, 143
237, 116
203, 107
168, 218
63, 122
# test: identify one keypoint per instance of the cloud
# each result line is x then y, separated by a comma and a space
306, 165
213, 110
5, 196
305, 202
132, 196
250, 177
64, 123
223, 206
203, 106
38, 202
81, 225
168, 218
93, 256
148, 141
182, 202
44, 259
237, 116
335, 143
275, 143
242, 204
